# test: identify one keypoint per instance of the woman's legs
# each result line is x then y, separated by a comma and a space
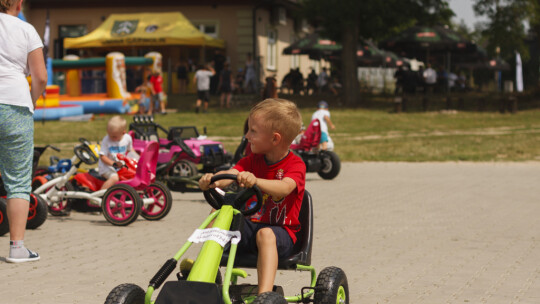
17, 212
16, 160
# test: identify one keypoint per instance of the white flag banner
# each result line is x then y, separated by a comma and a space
519, 74
220, 236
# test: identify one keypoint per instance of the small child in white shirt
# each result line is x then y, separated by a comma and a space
116, 141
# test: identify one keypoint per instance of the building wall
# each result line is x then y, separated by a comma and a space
234, 26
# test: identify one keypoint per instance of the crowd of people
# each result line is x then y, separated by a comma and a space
428, 80
294, 82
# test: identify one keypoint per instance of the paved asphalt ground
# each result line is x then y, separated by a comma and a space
403, 233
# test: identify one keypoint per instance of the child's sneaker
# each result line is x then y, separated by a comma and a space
31, 257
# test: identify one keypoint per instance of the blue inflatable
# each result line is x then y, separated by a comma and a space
99, 106
55, 113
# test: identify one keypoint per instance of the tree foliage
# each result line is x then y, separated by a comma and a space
375, 19
505, 28
346, 21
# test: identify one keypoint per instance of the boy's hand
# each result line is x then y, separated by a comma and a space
246, 179
204, 182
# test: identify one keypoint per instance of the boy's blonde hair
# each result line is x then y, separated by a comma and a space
5, 5
116, 123
281, 116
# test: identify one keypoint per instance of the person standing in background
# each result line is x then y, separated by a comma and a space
21, 52
250, 80
202, 79
225, 86
182, 76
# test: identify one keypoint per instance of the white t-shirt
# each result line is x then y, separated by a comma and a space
203, 80
430, 75
110, 148
320, 114
17, 39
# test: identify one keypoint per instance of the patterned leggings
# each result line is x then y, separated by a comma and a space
16, 150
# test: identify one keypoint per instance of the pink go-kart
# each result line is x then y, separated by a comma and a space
184, 154
325, 162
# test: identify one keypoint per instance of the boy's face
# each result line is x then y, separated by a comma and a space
259, 135
115, 135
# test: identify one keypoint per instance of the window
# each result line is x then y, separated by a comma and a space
71, 31
208, 28
295, 59
271, 56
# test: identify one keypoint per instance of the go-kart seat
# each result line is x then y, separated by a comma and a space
302, 248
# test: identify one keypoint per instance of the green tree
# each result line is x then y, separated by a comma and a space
505, 29
345, 21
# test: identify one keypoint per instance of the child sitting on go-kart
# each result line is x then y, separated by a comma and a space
281, 175
116, 141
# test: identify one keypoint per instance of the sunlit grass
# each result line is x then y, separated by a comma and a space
361, 135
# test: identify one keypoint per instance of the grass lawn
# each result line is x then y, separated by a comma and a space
373, 134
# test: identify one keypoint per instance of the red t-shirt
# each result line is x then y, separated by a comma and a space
157, 82
285, 212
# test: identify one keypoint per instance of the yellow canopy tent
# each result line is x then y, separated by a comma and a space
144, 29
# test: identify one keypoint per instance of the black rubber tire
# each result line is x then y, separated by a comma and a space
167, 202
331, 165
329, 282
270, 297
65, 208
4, 224
136, 208
183, 168
37, 213
126, 294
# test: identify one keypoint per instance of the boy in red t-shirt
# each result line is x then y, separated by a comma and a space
281, 175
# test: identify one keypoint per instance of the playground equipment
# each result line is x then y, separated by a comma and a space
73, 103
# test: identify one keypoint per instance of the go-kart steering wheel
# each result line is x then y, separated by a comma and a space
216, 200
85, 153
185, 148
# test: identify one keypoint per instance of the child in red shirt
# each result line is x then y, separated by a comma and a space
271, 233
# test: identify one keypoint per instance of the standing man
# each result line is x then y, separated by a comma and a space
430, 78
202, 79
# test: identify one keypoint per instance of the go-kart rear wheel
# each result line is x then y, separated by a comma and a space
332, 287
63, 207
270, 297
4, 224
126, 294
331, 165
121, 205
37, 212
162, 201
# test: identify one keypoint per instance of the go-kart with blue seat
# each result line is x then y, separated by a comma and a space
202, 282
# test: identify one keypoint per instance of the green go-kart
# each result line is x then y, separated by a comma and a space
203, 283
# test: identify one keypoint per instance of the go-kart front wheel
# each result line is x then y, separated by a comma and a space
121, 205
37, 212
126, 294
270, 297
331, 165
332, 287
162, 201
4, 224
